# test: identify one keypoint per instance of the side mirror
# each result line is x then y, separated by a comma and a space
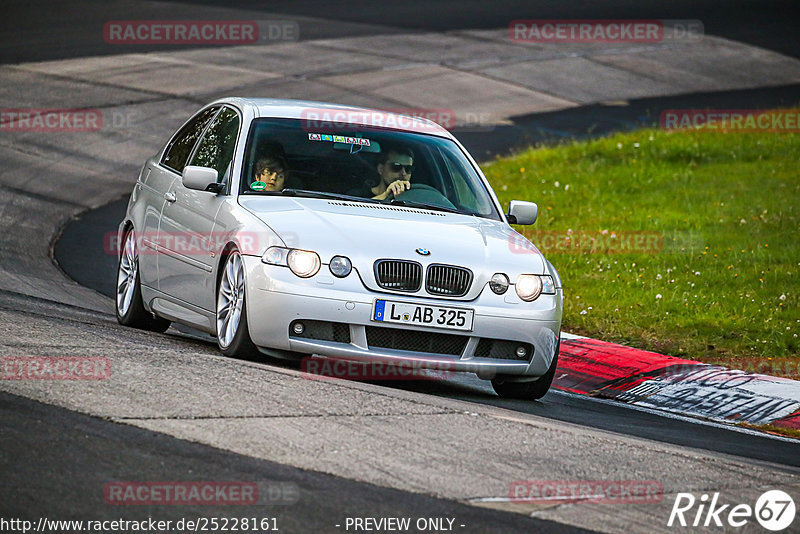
200, 178
521, 212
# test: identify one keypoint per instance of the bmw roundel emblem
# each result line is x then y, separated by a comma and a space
423, 251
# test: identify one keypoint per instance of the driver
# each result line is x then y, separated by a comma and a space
394, 170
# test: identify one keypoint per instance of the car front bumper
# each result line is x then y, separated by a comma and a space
276, 298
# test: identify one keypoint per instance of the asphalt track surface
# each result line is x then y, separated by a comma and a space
81, 254
48, 464
65, 453
46, 30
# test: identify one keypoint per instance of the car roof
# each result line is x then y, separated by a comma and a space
338, 114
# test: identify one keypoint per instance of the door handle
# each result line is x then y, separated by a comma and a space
170, 197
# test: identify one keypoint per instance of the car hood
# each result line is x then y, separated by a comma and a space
365, 232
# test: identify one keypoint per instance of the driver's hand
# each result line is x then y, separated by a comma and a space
398, 187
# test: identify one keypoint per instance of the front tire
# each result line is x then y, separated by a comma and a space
233, 334
129, 306
528, 390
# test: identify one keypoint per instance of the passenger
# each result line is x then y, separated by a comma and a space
394, 175
270, 171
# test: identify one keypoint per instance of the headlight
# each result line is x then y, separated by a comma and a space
548, 285
275, 256
499, 283
340, 266
529, 287
303, 263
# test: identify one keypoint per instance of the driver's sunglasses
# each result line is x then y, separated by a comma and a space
397, 166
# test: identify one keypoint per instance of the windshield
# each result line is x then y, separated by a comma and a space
352, 163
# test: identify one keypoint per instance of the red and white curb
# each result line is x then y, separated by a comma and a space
687, 387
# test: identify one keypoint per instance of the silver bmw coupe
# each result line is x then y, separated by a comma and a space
292, 228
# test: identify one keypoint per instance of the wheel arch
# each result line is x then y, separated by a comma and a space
229, 247
124, 227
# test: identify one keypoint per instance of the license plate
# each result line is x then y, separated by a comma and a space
387, 311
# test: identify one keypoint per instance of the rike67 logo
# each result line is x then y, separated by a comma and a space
774, 510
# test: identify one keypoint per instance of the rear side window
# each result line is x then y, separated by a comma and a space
219, 141
179, 149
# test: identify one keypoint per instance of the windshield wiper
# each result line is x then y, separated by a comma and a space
322, 194
423, 205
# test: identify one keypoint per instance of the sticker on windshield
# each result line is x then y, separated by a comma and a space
258, 186
338, 139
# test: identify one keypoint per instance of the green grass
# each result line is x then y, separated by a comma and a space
724, 286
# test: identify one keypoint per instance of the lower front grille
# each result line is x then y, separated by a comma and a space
322, 331
502, 349
410, 340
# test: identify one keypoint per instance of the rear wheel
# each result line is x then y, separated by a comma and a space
233, 334
527, 390
130, 309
